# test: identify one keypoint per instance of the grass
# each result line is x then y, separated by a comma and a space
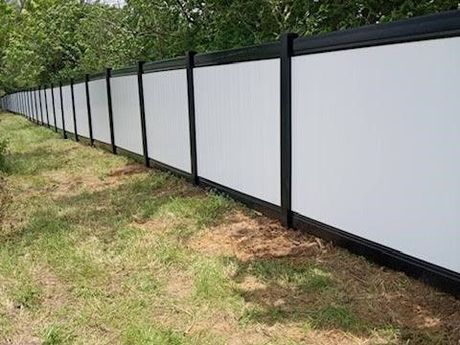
3, 154
94, 249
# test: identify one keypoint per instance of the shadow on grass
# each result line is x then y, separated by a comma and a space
36, 161
102, 213
311, 293
287, 291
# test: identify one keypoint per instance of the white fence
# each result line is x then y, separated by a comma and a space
375, 141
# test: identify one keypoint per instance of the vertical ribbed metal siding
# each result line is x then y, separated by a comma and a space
57, 106
68, 112
99, 110
126, 113
166, 117
376, 142
238, 126
50, 106
81, 111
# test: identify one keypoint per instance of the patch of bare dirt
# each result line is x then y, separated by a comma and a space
248, 238
129, 169
55, 292
155, 225
179, 286
61, 183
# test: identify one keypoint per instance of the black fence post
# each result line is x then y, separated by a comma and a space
286, 128
46, 107
140, 87
54, 106
88, 107
64, 134
108, 74
73, 110
190, 63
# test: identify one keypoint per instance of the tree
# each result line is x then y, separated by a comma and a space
46, 40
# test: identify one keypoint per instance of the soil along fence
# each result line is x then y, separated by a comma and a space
353, 136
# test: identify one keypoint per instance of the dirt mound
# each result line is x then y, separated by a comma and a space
248, 237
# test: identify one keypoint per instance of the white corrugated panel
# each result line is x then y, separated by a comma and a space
34, 105
39, 114
43, 106
376, 145
31, 103
49, 101
126, 113
68, 111
57, 106
99, 110
166, 118
238, 126
81, 110
26, 110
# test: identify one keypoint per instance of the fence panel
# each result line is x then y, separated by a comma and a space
376, 145
99, 110
49, 101
81, 110
68, 112
126, 113
166, 118
237, 111
43, 106
57, 106
32, 103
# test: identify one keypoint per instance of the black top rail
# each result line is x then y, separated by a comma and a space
260, 52
165, 65
441, 25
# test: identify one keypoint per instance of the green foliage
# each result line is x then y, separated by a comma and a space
46, 40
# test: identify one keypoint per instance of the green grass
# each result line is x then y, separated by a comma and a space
56, 335
91, 257
303, 276
3, 154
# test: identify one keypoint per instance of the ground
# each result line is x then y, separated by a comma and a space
95, 249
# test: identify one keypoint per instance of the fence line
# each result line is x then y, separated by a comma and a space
352, 136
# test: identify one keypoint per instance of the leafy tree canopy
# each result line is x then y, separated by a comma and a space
42, 41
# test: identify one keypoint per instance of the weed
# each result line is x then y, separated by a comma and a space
56, 335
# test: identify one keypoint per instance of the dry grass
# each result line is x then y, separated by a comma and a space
95, 249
